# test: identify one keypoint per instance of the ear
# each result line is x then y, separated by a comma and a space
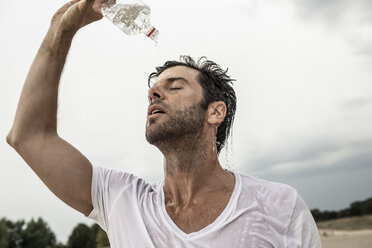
216, 113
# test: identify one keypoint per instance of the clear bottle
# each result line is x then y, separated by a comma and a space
130, 16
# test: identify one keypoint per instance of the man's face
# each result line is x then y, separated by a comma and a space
174, 109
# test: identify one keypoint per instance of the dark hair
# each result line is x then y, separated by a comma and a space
216, 85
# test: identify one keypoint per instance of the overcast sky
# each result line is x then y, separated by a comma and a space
304, 90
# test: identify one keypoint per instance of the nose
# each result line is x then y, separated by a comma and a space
155, 93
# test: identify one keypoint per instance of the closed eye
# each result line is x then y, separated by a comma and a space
175, 88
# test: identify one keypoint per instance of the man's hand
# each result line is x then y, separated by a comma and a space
74, 15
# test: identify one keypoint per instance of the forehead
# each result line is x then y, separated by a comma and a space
187, 73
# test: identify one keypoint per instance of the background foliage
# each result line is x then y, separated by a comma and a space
37, 234
357, 208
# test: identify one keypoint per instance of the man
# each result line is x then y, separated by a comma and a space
198, 204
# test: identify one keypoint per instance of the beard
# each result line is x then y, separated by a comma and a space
180, 123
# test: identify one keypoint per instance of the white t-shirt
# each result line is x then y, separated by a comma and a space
259, 214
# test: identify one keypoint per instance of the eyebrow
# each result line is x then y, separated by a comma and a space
172, 79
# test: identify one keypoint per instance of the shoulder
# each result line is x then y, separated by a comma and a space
113, 176
280, 206
267, 191
272, 200
115, 181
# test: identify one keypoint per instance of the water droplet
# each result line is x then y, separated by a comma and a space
229, 152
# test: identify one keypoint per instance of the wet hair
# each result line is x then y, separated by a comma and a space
216, 85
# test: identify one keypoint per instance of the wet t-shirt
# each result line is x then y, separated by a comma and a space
259, 214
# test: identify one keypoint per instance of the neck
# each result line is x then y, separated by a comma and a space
186, 155
191, 169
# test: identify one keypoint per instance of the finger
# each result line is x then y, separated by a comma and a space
85, 5
66, 6
97, 7
88, 3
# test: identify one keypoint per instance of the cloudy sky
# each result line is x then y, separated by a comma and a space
304, 89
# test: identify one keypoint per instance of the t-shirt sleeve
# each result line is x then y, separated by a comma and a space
302, 231
107, 185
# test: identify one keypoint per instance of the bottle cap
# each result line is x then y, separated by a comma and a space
153, 34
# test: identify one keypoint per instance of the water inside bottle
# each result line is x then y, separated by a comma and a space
131, 19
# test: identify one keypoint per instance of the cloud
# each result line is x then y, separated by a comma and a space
352, 18
335, 11
356, 103
312, 158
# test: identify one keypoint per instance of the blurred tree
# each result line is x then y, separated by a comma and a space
316, 214
4, 235
102, 239
355, 208
38, 234
366, 207
15, 232
81, 237
60, 245
94, 230
342, 213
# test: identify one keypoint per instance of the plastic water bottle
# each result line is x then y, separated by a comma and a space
130, 16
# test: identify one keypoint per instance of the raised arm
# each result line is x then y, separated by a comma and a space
65, 171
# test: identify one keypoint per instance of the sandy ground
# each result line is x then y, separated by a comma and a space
346, 239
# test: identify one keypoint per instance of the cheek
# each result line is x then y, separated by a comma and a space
198, 95
194, 96
184, 100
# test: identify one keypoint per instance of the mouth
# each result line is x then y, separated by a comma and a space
155, 110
